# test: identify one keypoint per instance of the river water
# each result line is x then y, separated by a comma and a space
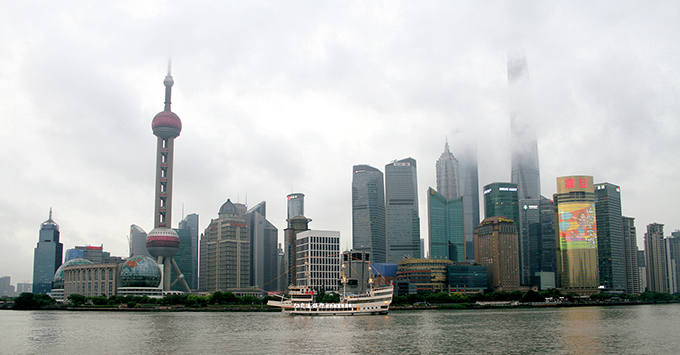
644, 329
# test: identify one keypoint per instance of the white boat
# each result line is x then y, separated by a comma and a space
300, 300
376, 300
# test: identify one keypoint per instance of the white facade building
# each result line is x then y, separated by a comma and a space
318, 259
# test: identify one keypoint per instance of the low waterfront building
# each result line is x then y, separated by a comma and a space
466, 278
89, 279
427, 274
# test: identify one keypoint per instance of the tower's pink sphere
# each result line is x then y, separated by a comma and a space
166, 124
162, 242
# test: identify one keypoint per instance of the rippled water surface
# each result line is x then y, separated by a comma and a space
646, 329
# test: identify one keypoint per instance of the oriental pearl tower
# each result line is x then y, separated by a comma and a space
162, 242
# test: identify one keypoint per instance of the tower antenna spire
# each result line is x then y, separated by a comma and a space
168, 82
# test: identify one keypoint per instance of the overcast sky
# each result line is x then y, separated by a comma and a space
281, 97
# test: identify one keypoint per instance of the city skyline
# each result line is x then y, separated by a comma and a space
77, 101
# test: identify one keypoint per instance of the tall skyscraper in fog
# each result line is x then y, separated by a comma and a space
610, 245
369, 228
47, 256
448, 174
401, 199
469, 190
524, 161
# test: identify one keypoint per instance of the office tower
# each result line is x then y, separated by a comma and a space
263, 248
446, 226
401, 200
610, 246
469, 189
448, 174
655, 254
24, 287
296, 225
577, 256
318, 259
497, 248
368, 212
47, 256
673, 262
225, 252
642, 266
501, 200
6, 288
92, 253
137, 241
162, 242
184, 260
547, 245
71, 254
630, 255
296, 205
190, 224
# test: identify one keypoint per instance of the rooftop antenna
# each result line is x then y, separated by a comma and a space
183, 216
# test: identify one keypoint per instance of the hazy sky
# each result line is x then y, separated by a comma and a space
281, 97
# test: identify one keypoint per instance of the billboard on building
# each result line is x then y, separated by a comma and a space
578, 229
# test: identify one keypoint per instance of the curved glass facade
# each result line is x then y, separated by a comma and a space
59, 275
140, 271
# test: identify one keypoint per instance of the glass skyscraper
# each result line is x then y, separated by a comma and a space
369, 230
295, 205
610, 246
263, 248
501, 200
577, 256
448, 174
446, 226
190, 224
47, 256
469, 190
403, 221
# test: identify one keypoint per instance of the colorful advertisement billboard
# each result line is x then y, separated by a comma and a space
576, 222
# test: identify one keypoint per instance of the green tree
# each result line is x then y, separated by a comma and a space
28, 300
331, 298
76, 299
532, 296
458, 297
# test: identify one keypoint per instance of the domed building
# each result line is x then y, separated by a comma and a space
139, 276
57, 291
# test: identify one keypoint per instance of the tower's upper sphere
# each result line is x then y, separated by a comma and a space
166, 125
162, 242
